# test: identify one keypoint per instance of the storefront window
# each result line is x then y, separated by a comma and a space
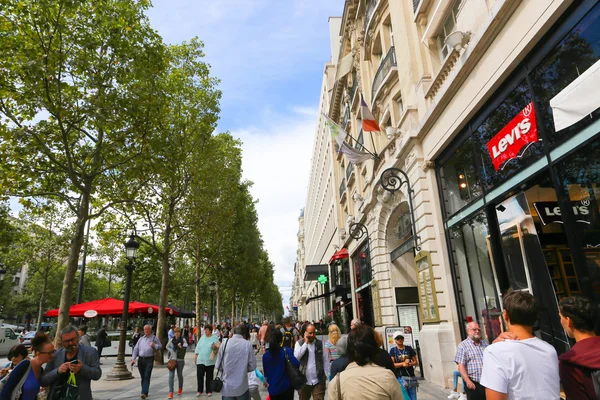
580, 178
473, 271
460, 179
362, 265
508, 140
577, 52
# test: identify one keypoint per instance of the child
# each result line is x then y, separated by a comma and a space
254, 379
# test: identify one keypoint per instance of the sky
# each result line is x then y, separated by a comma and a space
269, 56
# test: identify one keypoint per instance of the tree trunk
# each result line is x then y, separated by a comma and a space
72, 264
198, 269
218, 305
41, 304
233, 314
164, 290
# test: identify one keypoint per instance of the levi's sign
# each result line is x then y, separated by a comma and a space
549, 211
514, 139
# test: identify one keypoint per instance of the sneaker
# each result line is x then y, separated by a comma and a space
208, 394
143, 396
454, 395
180, 391
170, 395
198, 394
463, 396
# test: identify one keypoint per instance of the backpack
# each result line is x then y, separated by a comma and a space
288, 338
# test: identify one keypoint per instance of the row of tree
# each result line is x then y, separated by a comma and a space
103, 121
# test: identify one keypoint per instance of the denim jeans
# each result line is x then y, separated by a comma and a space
179, 370
456, 375
245, 396
145, 366
411, 390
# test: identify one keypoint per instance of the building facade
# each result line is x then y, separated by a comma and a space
496, 170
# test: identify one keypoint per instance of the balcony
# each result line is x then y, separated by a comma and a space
383, 72
371, 7
343, 191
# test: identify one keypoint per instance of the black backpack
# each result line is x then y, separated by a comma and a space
288, 338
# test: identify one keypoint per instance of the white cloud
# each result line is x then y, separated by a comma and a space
277, 159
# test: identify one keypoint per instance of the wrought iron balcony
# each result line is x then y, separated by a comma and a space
349, 170
342, 188
384, 69
371, 7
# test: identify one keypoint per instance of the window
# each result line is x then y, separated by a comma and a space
446, 29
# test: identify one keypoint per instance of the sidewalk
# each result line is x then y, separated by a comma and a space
159, 384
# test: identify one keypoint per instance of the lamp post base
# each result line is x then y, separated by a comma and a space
120, 372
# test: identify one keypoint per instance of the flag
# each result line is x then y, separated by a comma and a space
353, 155
368, 121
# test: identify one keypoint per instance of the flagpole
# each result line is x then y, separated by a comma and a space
350, 136
373, 141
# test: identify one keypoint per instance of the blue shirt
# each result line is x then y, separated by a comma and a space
274, 366
204, 348
31, 386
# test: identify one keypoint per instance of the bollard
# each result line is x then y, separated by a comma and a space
418, 348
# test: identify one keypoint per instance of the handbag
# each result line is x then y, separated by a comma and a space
17, 391
216, 385
172, 365
70, 391
296, 377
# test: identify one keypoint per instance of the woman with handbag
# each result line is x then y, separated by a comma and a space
274, 364
24, 381
206, 352
177, 348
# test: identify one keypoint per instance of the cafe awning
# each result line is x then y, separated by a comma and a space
578, 100
110, 306
313, 272
339, 255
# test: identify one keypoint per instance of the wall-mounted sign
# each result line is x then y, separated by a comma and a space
405, 331
376, 303
514, 139
549, 211
427, 295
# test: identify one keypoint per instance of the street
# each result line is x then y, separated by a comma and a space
159, 385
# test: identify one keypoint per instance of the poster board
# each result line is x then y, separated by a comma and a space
408, 315
426, 285
376, 300
390, 332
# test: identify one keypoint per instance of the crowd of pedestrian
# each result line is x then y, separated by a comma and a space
517, 365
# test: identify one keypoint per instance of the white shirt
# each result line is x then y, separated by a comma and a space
523, 369
312, 378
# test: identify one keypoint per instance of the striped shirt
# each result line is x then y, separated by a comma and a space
333, 353
470, 355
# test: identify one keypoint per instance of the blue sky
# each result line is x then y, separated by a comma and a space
269, 56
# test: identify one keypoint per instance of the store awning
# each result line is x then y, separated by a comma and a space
313, 272
339, 255
578, 100
151, 309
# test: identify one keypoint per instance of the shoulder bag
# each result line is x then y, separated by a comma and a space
17, 391
297, 378
216, 385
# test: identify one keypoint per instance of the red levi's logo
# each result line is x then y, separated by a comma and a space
517, 135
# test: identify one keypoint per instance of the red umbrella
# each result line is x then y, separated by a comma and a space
145, 308
108, 306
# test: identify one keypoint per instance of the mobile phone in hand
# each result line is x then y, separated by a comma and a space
75, 362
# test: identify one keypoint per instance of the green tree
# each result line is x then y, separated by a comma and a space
78, 92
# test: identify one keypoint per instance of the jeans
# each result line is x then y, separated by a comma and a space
245, 396
145, 365
254, 393
202, 369
464, 385
316, 391
411, 390
179, 368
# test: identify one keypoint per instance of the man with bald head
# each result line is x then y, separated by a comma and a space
469, 358
143, 354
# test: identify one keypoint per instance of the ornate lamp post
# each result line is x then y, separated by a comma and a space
212, 286
120, 371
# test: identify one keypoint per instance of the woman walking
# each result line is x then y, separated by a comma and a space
331, 345
362, 379
31, 371
205, 365
177, 348
274, 360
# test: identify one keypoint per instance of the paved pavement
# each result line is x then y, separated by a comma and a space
159, 384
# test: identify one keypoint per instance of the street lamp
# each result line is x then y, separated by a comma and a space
236, 317
120, 371
212, 286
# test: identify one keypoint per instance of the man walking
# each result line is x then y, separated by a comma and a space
143, 354
525, 368
312, 364
262, 332
101, 340
81, 360
236, 359
469, 358
290, 334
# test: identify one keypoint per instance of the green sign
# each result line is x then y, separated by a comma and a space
322, 279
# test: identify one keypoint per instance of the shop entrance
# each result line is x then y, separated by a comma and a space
536, 253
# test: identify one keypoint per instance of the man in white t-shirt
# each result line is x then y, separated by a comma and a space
523, 369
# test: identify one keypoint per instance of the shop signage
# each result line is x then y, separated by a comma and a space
515, 138
90, 313
427, 294
549, 211
376, 303
405, 331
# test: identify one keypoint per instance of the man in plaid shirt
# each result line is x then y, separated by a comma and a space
469, 358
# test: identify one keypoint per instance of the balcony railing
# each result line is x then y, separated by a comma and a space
358, 145
346, 117
371, 7
342, 188
349, 170
384, 69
